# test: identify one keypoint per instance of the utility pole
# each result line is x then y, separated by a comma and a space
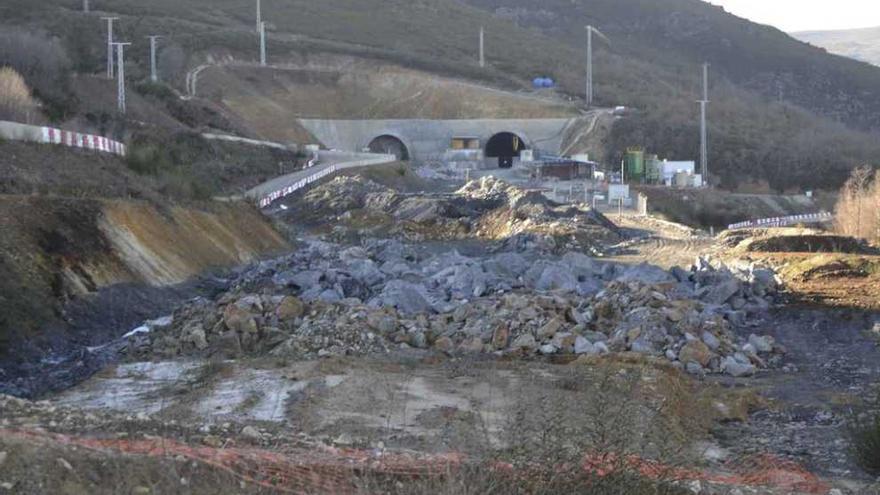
154, 75
120, 72
704, 133
259, 16
263, 44
590, 31
589, 66
482, 47
86, 6
110, 45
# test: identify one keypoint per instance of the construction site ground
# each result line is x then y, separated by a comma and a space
337, 425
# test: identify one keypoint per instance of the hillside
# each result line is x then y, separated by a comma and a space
860, 44
782, 110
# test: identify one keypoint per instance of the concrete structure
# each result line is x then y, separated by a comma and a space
49, 135
430, 140
668, 170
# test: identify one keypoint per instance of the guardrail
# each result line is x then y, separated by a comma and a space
50, 135
783, 221
281, 187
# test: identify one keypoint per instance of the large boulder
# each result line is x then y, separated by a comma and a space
239, 320
648, 274
696, 352
406, 297
290, 308
722, 292
557, 278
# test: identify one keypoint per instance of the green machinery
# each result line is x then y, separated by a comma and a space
653, 169
634, 165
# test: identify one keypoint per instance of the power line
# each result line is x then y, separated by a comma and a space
120, 63
110, 45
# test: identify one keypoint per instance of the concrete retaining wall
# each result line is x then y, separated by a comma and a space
428, 140
50, 135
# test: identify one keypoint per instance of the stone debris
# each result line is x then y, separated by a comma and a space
384, 296
487, 208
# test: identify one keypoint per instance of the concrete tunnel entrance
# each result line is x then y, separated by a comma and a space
505, 146
390, 145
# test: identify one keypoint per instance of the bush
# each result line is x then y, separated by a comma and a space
864, 434
16, 102
45, 66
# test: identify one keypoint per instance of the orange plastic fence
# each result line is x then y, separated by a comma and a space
317, 469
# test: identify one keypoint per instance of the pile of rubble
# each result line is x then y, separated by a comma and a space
385, 296
487, 208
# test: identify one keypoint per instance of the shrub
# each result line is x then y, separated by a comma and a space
16, 102
864, 435
44, 64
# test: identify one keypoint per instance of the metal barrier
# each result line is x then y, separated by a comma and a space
50, 135
783, 221
281, 187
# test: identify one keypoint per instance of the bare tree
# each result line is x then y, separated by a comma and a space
41, 60
857, 207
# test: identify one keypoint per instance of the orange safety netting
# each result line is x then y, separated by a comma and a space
327, 470
760, 470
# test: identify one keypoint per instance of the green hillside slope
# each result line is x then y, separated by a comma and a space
783, 113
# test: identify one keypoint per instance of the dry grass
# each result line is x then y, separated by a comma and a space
16, 102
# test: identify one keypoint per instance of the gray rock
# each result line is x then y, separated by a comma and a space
694, 369
711, 341
251, 433
680, 274
525, 341
589, 287
642, 346
506, 265
330, 296
366, 272
418, 340
722, 292
583, 346
595, 337
579, 261
736, 369
646, 273
548, 349
736, 318
557, 278
408, 298
761, 344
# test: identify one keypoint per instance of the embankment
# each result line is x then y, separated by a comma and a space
60, 255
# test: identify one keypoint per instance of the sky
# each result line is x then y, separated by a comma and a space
807, 15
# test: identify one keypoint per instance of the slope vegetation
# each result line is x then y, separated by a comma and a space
781, 112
